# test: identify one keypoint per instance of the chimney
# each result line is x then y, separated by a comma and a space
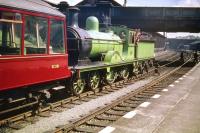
63, 7
71, 13
73, 17
125, 2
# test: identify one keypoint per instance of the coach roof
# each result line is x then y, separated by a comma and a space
31, 5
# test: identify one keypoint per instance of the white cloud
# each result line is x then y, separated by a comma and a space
188, 3
182, 34
120, 1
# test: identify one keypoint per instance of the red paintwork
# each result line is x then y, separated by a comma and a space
65, 34
23, 30
31, 13
23, 70
48, 41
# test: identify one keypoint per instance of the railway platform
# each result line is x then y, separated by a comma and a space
175, 110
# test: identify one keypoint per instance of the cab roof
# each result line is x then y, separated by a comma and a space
31, 5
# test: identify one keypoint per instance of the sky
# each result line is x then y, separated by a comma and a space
153, 3
166, 3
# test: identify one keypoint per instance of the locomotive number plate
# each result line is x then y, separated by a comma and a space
55, 66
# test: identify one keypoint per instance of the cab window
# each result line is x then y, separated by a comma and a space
35, 38
131, 37
57, 37
10, 33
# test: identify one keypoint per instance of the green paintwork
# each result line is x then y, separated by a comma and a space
126, 35
112, 57
102, 66
107, 42
104, 44
145, 49
92, 23
130, 54
116, 47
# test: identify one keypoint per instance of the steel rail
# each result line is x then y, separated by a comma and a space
78, 122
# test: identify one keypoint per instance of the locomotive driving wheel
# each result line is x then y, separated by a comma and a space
150, 63
94, 81
140, 69
146, 67
78, 86
125, 73
111, 77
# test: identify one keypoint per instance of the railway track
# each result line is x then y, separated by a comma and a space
100, 118
29, 116
168, 57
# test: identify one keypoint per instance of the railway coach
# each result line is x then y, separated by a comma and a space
32, 48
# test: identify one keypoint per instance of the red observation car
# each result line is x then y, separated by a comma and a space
32, 45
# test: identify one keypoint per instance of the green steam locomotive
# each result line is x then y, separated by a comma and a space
103, 55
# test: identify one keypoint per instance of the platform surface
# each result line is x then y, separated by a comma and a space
175, 110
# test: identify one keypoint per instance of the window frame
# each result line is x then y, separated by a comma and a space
47, 47
64, 39
42, 15
13, 22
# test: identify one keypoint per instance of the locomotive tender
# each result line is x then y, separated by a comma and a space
39, 53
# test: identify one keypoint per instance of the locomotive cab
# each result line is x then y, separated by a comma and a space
79, 46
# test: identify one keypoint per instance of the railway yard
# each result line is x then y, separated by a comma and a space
91, 68
102, 111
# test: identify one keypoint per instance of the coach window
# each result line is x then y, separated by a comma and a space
35, 38
10, 33
57, 37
